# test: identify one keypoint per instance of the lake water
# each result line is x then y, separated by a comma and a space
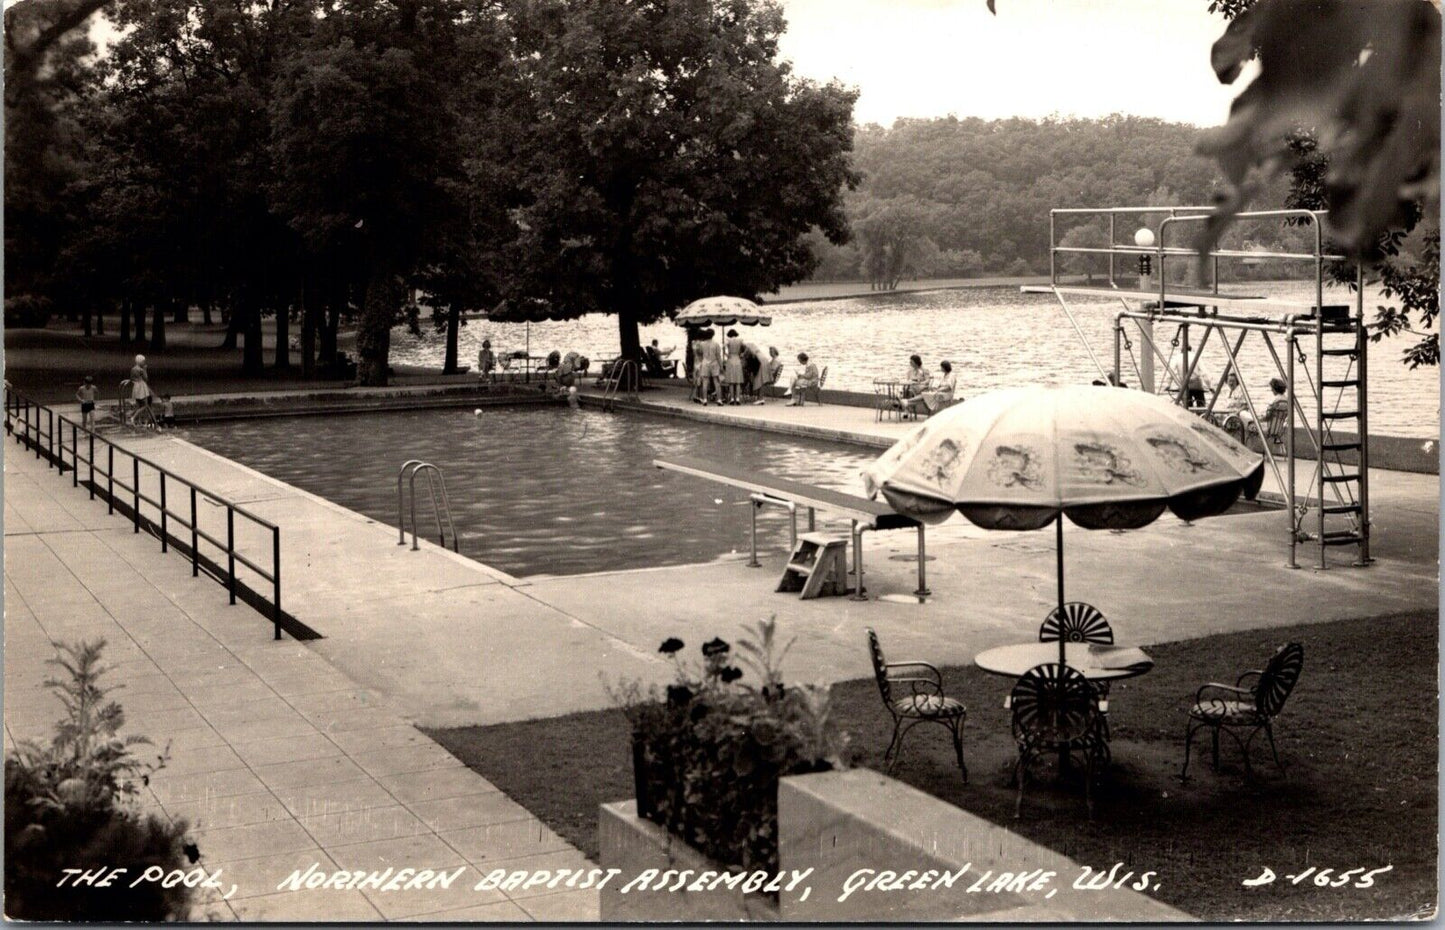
995, 337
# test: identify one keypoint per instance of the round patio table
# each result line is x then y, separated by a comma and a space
1096, 663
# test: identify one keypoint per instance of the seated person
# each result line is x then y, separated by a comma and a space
554, 358
656, 362
915, 382
1278, 406
805, 378
940, 396
1232, 401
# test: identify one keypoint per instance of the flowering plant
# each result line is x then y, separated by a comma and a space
71, 805
709, 748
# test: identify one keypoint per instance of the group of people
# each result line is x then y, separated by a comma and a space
141, 397
730, 371
921, 393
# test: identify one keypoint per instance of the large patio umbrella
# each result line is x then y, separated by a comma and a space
722, 311
1105, 457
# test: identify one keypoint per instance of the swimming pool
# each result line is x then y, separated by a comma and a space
549, 490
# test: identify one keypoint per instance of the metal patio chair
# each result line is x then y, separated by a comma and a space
814, 389
1231, 708
924, 703
1078, 623
1055, 710
1082, 623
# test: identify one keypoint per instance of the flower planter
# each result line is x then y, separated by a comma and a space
633, 845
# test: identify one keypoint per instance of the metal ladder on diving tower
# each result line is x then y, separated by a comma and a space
441, 504
1341, 351
1337, 380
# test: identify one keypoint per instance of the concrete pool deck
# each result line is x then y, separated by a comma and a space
278, 760
432, 638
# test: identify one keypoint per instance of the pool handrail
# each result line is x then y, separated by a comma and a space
18, 411
862, 512
440, 506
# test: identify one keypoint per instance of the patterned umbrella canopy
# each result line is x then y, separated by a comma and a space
1106, 457
722, 311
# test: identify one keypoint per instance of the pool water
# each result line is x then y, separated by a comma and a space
550, 490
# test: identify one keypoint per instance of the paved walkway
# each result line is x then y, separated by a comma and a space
277, 759
317, 739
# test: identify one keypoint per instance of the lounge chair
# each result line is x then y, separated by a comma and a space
924, 703
1230, 708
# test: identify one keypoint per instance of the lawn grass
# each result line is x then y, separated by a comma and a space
1359, 737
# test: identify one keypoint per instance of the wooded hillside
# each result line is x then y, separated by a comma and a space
961, 197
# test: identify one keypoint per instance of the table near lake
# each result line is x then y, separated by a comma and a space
888, 397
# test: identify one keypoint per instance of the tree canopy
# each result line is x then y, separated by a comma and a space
670, 154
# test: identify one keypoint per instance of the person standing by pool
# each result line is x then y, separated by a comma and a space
733, 370
140, 389
712, 365
486, 361
87, 395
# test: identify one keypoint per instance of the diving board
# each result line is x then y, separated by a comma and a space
862, 512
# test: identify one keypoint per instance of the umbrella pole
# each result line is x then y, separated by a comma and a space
1059, 549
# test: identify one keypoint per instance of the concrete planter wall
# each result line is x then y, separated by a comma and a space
854, 827
634, 845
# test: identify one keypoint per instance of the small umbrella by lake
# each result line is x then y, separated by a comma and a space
722, 311
1105, 457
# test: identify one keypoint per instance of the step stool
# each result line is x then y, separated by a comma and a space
817, 567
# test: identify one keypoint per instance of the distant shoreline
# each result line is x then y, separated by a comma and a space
842, 290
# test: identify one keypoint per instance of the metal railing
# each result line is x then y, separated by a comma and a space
625, 376
441, 505
42, 429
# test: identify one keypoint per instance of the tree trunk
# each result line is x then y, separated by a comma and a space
630, 343
206, 311
310, 316
330, 323
85, 320
454, 325
100, 319
283, 338
140, 321
373, 330
235, 320
125, 320
158, 329
249, 311
182, 312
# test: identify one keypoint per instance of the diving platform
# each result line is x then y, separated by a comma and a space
1252, 307
1332, 508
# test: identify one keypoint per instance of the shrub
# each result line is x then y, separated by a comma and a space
27, 311
70, 805
708, 750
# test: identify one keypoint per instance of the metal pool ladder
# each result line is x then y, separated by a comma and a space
441, 505
624, 372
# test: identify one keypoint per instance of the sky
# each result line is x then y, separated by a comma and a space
929, 58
